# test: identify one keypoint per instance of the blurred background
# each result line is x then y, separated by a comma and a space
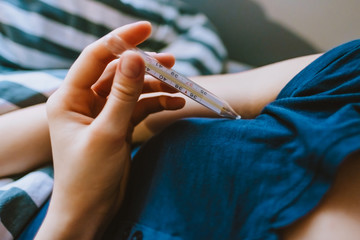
258, 32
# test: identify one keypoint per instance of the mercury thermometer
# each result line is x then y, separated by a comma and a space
174, 79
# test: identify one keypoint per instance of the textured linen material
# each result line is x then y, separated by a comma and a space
245, 179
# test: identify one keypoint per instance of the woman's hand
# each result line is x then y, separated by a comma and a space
91, 119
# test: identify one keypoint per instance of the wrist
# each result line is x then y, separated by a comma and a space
74, 221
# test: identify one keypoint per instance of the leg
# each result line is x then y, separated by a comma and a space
338, 215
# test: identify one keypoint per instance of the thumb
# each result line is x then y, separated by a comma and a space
125, 91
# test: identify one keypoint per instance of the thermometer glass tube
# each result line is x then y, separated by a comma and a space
176, 80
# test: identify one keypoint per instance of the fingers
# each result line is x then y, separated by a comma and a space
166, 59
153, 85
93, 60
125, 91
151, 105
103, 85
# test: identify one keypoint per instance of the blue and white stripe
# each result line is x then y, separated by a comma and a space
48, 34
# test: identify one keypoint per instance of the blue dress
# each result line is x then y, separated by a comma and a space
246, 179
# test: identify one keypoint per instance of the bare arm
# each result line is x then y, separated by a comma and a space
89, 129
247, 92
24, 140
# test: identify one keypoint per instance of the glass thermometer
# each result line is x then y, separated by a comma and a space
176, 80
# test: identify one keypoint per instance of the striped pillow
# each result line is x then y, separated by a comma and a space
48, 34
21, 198
19, 89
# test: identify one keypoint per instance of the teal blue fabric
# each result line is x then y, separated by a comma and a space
245, 179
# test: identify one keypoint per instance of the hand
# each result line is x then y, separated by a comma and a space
91, 119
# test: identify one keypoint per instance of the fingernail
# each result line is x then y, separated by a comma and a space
129, 66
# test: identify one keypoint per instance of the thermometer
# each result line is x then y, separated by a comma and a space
176, 80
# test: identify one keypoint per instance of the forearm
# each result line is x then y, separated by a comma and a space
247, 92
24, 140
250, 91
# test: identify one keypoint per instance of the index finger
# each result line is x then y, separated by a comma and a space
93, 60
103, 86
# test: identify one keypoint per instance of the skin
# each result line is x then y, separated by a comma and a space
90, 121
248, 99
27, 143
91, 118
32, 136
254, 90
338, 214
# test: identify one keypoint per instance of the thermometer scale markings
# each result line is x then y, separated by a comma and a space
174, 80
187, 87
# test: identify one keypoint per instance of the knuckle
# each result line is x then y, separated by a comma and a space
126, 93
106, 133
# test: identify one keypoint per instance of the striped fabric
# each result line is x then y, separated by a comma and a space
48, 34
19, 89
39, 40
21, 198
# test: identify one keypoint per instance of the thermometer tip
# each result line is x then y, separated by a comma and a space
229, 113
